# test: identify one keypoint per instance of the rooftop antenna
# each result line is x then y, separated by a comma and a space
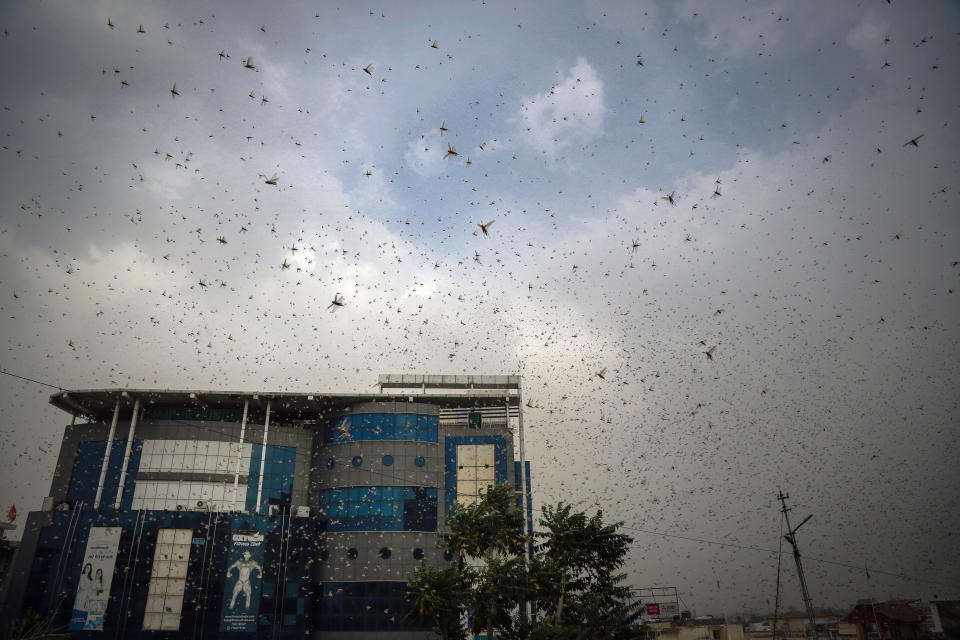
791, 537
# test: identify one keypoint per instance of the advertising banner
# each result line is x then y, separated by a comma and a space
96, 574
241, 592
662, 609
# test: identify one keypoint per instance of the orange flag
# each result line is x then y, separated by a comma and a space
12, 514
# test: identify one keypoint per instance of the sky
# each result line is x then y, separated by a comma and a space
723, 253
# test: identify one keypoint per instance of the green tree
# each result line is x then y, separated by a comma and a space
572, 580
579, 590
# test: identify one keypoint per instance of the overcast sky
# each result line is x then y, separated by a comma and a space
713, 204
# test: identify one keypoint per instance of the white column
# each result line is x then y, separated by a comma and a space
126, 454
236, 476
263, 457
106, 454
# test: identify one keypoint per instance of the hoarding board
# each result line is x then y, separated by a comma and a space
241, 592
662, 609
96, 575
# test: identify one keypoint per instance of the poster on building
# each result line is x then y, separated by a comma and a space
241, 592
96, 574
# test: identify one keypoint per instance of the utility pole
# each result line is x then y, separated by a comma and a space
791, 537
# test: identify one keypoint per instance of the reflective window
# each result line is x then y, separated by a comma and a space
192, 456
379, 509
419, 461
168, 579
475, 471
387, 460
357, 461
86, 473
187, 496
384, 426
277, 477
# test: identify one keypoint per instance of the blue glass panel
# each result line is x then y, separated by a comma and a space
387, 460
381, 508
363, 606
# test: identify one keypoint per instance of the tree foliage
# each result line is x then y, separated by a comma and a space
572, 580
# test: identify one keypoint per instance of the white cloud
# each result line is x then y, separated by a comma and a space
425, 155
867, 37
570, 113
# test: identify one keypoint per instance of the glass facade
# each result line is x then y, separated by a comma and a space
170, 456
383, 426
277, 477
378, 509
168, 580
452, 451
154, 545
86, 473
216, 459
363, 606
475, 471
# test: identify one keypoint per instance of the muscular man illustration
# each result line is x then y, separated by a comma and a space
245, 569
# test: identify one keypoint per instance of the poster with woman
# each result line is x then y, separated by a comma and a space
96, 574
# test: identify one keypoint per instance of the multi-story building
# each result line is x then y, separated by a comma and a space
190, 514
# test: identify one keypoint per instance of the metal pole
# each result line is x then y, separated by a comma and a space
126, 454
106, 454
236, 476
528, 606
792, 539
263, 457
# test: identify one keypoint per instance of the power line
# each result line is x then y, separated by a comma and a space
46, 384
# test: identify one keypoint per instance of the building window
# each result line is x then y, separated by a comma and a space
357, 461
419, 461
331, 463
168, 579
364, 606
385, 553
387, 460
378, 508
475, 471
277, 477
418, 554
383, 426
352, 553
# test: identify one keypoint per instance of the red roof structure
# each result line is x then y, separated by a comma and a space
883, 612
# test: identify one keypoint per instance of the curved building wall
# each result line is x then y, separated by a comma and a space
375, 492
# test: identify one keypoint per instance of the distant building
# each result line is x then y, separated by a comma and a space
7, 550
698, 629
896, 619
945, 619
282, 515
